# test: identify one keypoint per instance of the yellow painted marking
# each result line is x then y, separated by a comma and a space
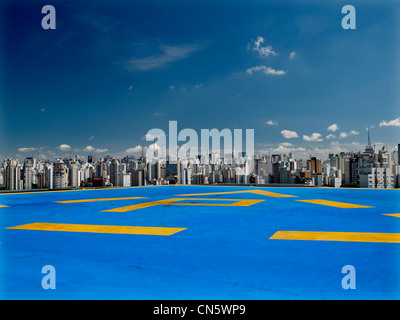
238, 203
262, 192
335, 204
155, 231
3, 206
175, 201
397, 215
95, 200
337, 236
141, 205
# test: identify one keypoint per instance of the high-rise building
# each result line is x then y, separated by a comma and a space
138, 178
12, 175
41, 180
114, 172
60, 175
381, 178
73, 175
398, 154
28, 164
314, 165
91, 159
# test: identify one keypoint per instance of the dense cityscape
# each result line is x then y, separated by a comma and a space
365, 169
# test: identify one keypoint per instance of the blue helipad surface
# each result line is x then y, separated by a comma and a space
224, 251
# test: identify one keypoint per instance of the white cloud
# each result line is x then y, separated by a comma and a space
263, 51
266, 70
43, 110
64, 147
91, 138
158, 114
292, 55
314, 137
333, 127
130, 87
286, 144
346, 134
271, 123
169, 54
390, 123
97, 150
27, 149
136, 149
330, 136
88, 149
289, 134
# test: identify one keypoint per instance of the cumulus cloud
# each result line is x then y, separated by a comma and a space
88, 149
97, 150
333, 127
265, 70
271, 123
330, 136
27, 149
64, 147
314, 137
292, 55
263, 51
390, 123
347, 134
289, 134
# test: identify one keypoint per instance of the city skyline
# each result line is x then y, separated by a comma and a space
106, 76
370, 168
67, 152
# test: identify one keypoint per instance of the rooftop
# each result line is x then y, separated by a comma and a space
201, 242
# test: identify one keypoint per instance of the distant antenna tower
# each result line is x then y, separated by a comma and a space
369, 140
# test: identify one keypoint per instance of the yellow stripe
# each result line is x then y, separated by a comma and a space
335, 204
3, 206
397, 215
262, 192
238, 203
337, 236
155, 231
175, 201
141, 205
103, 199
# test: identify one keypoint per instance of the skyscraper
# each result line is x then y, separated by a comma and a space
12, 175
60, 175
28, 163
114, 172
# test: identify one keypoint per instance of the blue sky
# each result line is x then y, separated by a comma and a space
111, 71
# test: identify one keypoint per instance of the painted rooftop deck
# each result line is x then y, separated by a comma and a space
198, 242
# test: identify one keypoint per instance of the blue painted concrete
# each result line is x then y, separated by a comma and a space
225, 253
